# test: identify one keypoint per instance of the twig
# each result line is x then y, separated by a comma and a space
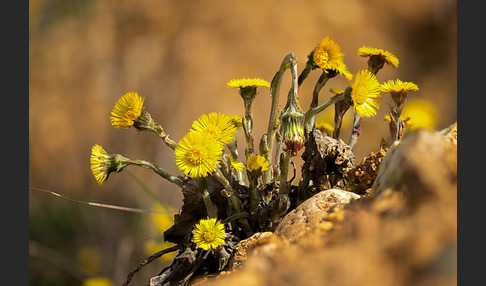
127, 209
149, 260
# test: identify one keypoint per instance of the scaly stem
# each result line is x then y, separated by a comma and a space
247, 127
273, 121
356, 130
160, 171
203, 189
234, 202
313, 112
321, 82
284, 170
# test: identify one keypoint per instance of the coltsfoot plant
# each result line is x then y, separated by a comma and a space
229, 196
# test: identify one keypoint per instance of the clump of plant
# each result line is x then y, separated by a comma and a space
230, 196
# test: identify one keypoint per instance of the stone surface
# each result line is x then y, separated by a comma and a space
312, 212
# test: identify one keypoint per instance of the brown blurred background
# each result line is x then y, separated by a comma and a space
179, 55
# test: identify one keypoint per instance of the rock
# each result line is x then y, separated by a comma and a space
419, 164
312, 212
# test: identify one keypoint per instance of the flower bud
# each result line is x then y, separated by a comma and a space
293, 130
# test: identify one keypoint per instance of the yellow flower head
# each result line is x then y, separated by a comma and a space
328, 56
238, 166
248, 86
257, 163
221, 126
365, 93
237, 121
102, 163
248, 82
198, 154
378, 57
127, 110
209, 234
398, 89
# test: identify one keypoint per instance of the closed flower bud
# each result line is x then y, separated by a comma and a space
293, 130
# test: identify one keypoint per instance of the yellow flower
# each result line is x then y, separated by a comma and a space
398, 89
127, 109
248, 87
89, 259
221, 126
257, 163
163, 221
366, 93
385, 56
209, 234
198, 154
248, 82
377, 58
328, 56
102, 163
237, 121
238, 166
98, 281
420, 114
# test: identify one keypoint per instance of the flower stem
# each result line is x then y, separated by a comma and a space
165, 137
160, 171
234, 201
210, 207
321, 82
284, 170
273, 121
356, 130
313, 112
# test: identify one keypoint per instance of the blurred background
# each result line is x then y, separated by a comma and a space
179, 55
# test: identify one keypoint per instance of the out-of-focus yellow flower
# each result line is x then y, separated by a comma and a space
366, 93
420, 114
98, 281
257, 163
198, 154
89, 259
209, 234
221, 126
163, 221
127, 109
378, 55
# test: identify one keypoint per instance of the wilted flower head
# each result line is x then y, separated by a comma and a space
198, 154
365, 93
127, 110
209, 234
